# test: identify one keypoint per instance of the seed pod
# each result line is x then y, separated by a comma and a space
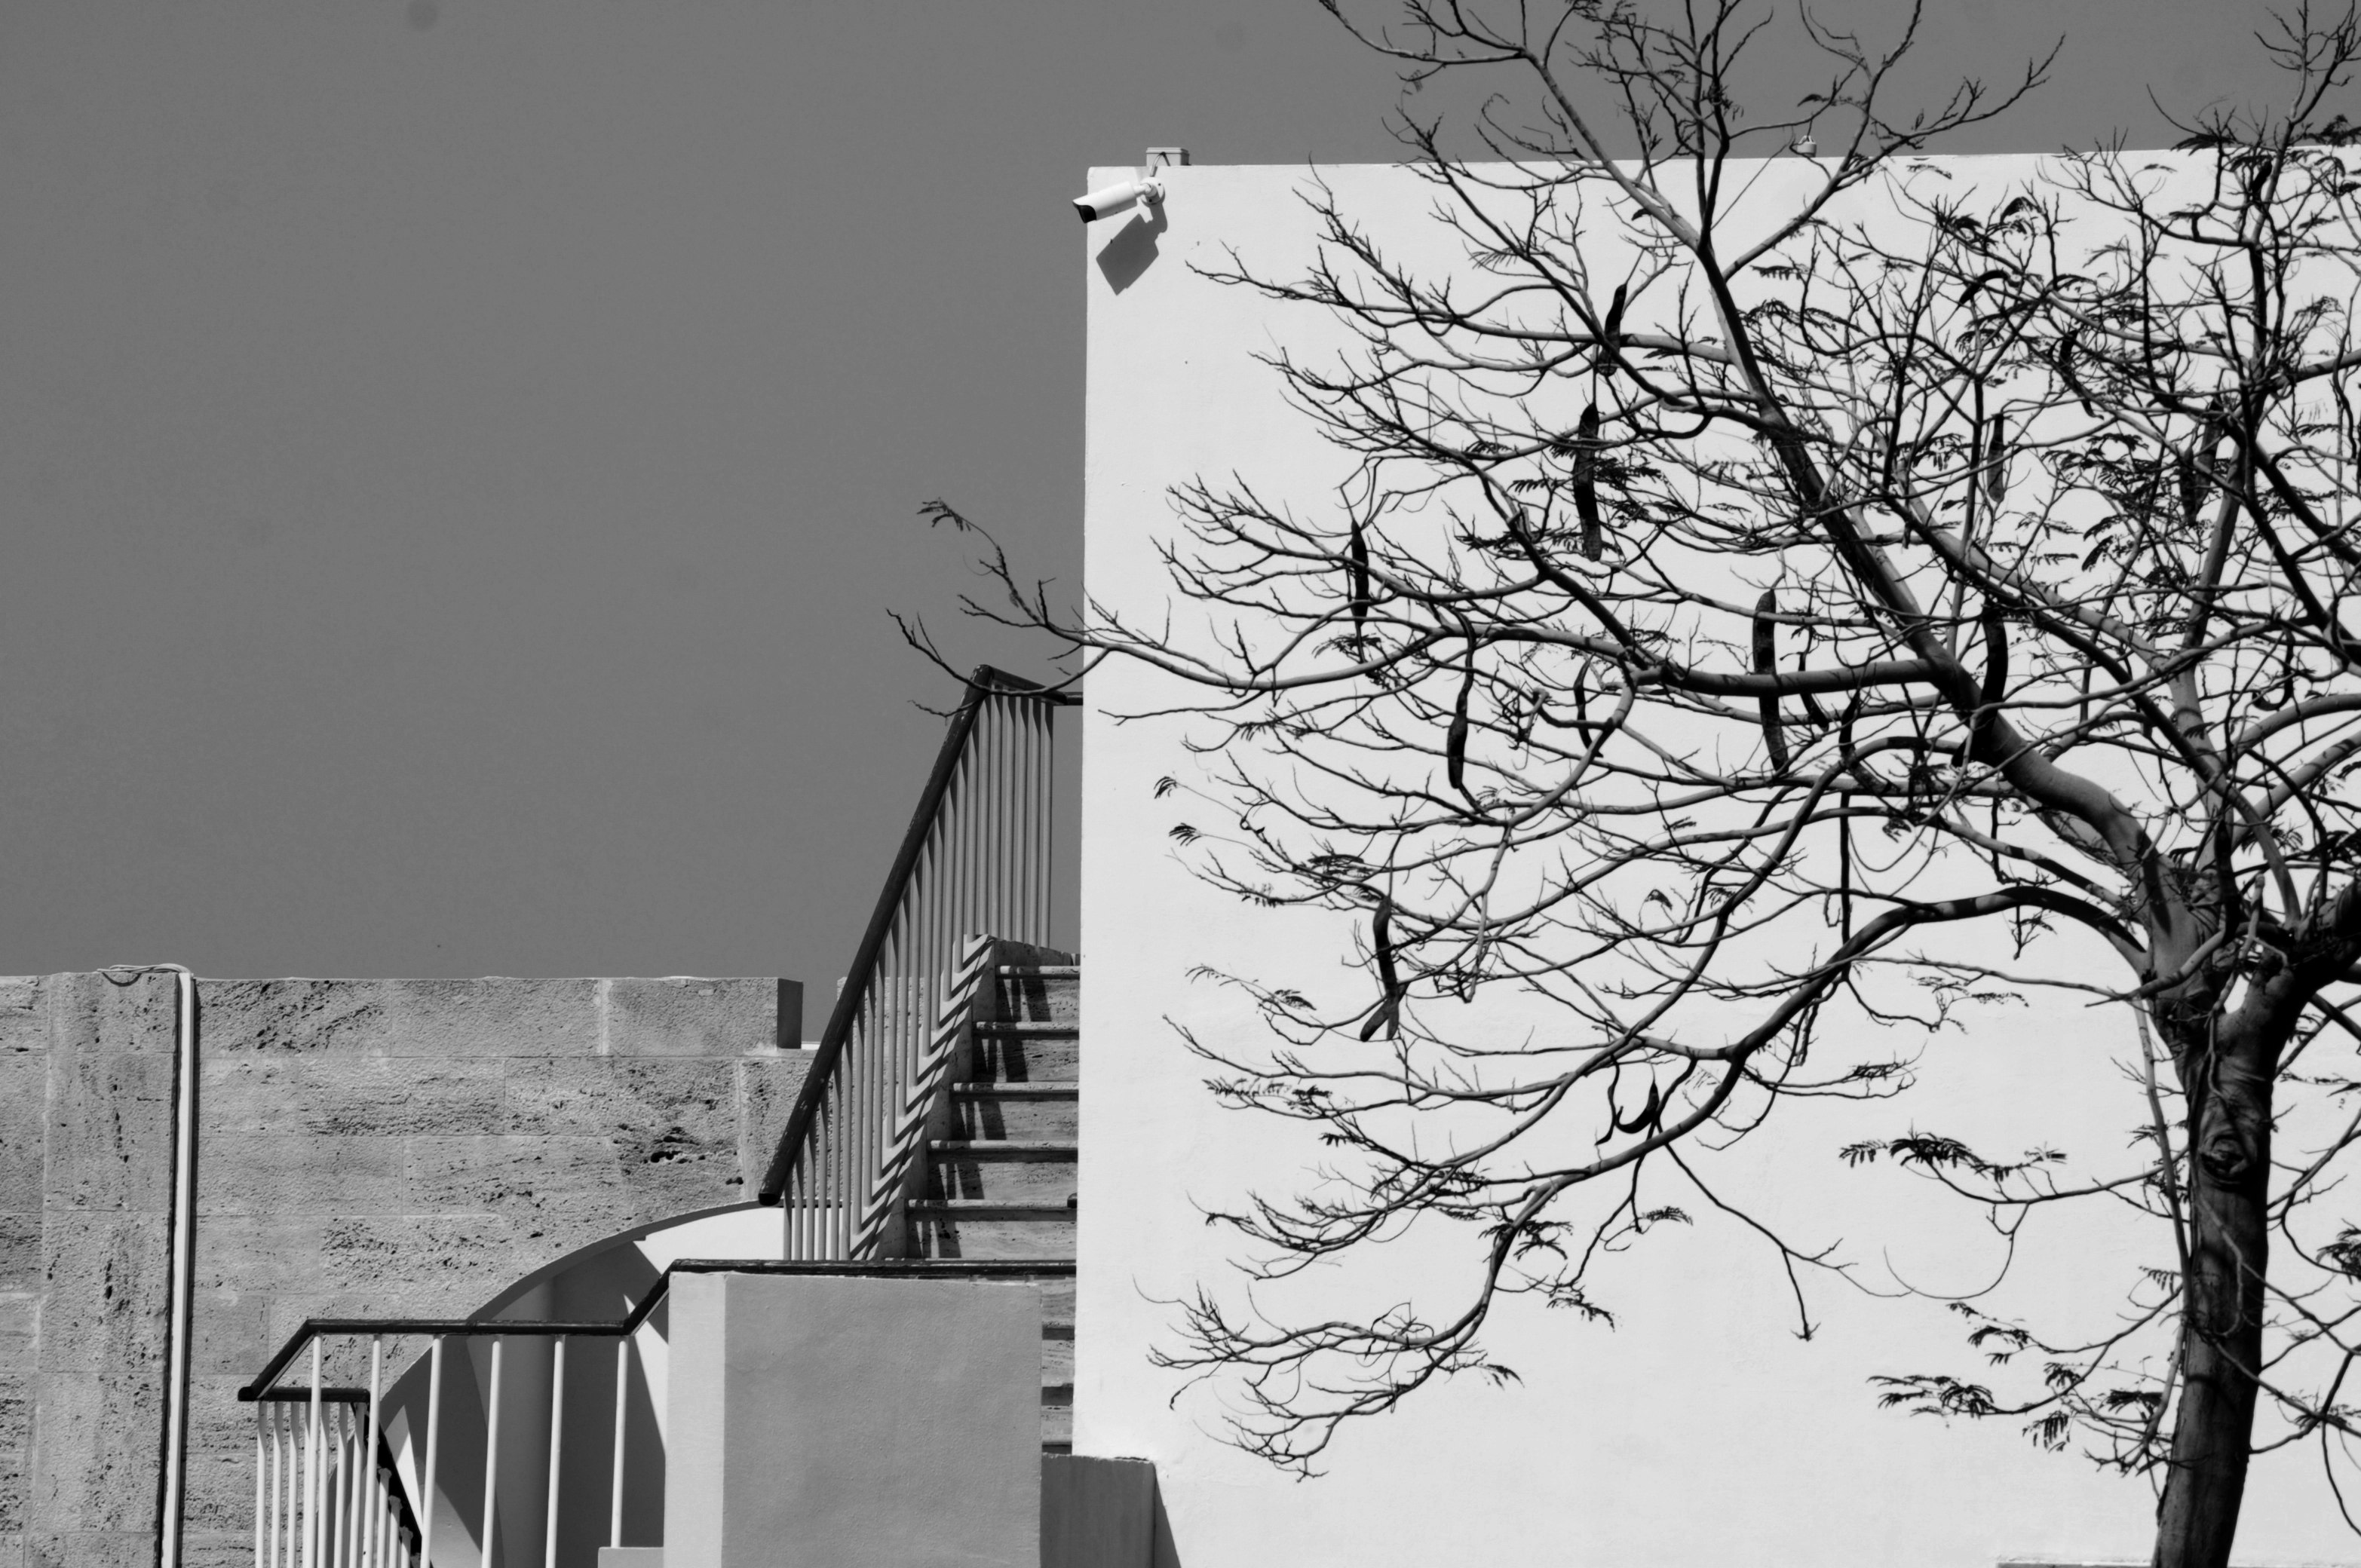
1996, 462
1766, 661
1386, 1017
1585, 484
1610, 335
1357, 553
1454, 744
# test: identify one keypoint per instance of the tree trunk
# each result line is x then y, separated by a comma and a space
2221, 1321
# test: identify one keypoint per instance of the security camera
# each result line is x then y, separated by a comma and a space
1121, 198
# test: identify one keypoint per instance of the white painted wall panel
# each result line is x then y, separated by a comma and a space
1699, 1430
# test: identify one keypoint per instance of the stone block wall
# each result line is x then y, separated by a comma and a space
86, 1065
365, 1148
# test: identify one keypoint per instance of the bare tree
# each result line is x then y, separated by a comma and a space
1776, 622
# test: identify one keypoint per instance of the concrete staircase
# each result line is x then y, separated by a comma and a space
1000, 1185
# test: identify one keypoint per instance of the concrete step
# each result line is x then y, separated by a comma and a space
1025, 1112
1002, 1187
1006, 1149
965, 1229
1057, 1376
1026, 1053
1058, 1309
1031, 1171
1040, 992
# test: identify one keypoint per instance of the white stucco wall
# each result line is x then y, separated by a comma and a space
1700, 1429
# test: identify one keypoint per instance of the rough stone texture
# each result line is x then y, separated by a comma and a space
94, 1452
94, 1549
86, 1065
20, 1251
23, 1115
365, 1148
19, 1313
16, 1447
692, 1017
24, 1107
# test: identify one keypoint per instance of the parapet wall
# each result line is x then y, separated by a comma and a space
364, 1146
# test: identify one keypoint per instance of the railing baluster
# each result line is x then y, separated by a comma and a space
1003, 797
1044, 796
312, 1468
823, 1161
1008, 852
1020, 823
356, 1510
376, 1554
832, 1145
271, 1429
622, 1411
353, 1496
262, 1465
427, 1500
491, 1451
863, 1084
973, 914
338, 1478
1004, 848
290, 1512
557, 1450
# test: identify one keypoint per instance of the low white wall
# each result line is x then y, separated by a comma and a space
823, 1421
1698, 1430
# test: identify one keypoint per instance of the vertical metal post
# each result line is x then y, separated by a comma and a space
492, 1453
312, 1491
427, 1500
1044, 786
1014, 806
1027, 791
622, 1409
348, 1489
376, 1556
556, 1449
1004, 824
261, 1484
356, 1495
332, 1477
282, 1483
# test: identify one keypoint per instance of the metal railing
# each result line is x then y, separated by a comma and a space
314, 1507
329, 1487
326, 1490
974, 864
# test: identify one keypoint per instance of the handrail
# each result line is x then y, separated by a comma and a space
312, 1328
822, 1077
330, 1492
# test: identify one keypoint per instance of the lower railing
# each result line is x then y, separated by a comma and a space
327, 1493
332, 1489
354, 1476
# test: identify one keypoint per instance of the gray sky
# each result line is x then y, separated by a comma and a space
455, 458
